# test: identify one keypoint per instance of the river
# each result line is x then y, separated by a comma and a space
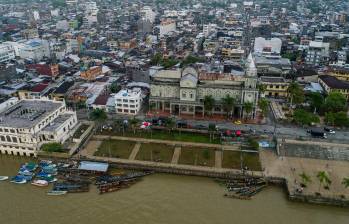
159, 198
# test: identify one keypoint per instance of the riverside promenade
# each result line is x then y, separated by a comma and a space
280, 169
172, 167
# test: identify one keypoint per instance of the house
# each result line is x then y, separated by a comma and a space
332, 84
128, 101
275, 86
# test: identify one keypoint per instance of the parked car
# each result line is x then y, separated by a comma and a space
329, 130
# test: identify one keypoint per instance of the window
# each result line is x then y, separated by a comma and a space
132, 101
124, 100
184, 95
6, 130
132, 106
191, 96
126, 111
125, 105
119, 110
277, 86
132, 111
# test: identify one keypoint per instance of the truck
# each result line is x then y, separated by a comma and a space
318, 133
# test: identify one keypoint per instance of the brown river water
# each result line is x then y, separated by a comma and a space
158, 198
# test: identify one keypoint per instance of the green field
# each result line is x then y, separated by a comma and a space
231, 160
115, 148
155, 152
197, 156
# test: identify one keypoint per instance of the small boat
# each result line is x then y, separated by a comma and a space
25, 173
40, 183
18, 180
3, 178
54, 193
49, 179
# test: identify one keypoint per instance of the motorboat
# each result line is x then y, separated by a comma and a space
2, 178
54, 193
40, 183
18, 180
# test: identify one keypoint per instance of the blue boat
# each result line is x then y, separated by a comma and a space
25, 173
27, 178
49, 170
44, 163
42, 174
18, 180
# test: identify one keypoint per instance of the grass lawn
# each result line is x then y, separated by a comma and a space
231, 160
118, 148
165, 135
155, 152
80, 130
197, 156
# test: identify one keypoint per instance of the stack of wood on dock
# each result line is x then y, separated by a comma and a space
111, 183
245, 187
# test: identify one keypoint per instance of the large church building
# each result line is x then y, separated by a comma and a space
182, 91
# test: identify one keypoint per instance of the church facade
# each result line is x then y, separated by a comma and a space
183, 91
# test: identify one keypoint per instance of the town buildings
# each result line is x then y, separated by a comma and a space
128, 101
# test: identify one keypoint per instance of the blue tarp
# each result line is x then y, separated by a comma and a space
93, 166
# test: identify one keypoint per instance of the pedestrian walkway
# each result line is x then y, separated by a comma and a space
176, 155
218, 159
135, 151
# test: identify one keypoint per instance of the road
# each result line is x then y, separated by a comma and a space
341, 136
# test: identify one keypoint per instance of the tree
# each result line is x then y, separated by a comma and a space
99, 116
316, 101
52, 147
305, 179
303, 117
170, 124
156, 59
211, 130
253, 143
228, 104
323, 179
190, 60
248, 107
335, 102
262, 88
264, 106
114, 88
295, 93
134, 122
330, 118
209, 102
345, 182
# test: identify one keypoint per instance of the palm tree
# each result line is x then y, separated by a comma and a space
170, 124
264, 105
345, 182
295, 93
134, 123
305, 179
261, 88
228, 103
209, 102
99, 116
248, 107
323, 179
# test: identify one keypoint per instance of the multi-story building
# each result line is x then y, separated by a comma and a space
317, 53
91, 73
183, 91
26, 125
7, 53
339, 72
275, 86
332, 84
264, 46
166, 27
148, 14
128, 101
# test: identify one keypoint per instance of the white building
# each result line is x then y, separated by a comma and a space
26, 125
148, 14
128, 101
264, 46
166, 27
208, 29
7, 52
34, 49
318, 53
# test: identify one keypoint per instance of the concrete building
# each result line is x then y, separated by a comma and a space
7, 53
183, 91
148, 14
128, 101
275, 86
317, 53
166, 27
28, 124
332, 84
339, 72
209, 29
264, 46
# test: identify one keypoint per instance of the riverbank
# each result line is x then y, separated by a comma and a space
157, 199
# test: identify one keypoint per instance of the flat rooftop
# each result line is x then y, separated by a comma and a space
27, 113
56, 123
